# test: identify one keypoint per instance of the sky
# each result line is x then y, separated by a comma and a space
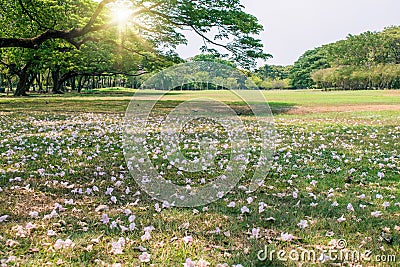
292, 27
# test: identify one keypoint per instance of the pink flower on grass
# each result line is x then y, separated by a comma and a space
245, 209
189, 263
341, 219
286, 237
188, 239
350, 207
145, 257
255, 233
105, 219
376, 214
303, 224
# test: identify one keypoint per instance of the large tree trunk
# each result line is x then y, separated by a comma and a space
47, 81
80, 84
24, 83
57, 85
10, 85
22, 86
39, 82
73, 83
65, 77
93, 83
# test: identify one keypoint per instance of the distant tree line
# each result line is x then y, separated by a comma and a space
370, 60
382, 76
272, 77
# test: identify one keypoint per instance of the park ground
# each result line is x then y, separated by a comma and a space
335, 176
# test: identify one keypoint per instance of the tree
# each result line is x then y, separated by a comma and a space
366, 61
272, 77
214, 58
274, 72
22, 18
164, 18
152, 26
391, 36
310, 61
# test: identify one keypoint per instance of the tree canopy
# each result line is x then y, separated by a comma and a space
71, 38
370, 60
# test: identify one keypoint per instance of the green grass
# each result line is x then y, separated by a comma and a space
291, 96
76, 139
116, 100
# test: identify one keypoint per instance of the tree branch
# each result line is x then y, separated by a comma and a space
69, 35
95, 15
31, 17
208, 39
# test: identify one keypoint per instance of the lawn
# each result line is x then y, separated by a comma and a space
67, 197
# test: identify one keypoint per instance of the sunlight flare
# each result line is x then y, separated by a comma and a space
121, 12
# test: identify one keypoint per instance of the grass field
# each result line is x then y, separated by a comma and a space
335, 176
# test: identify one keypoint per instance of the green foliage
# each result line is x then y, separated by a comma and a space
274, 72
380, 76
272, 77
213, 58
82, 37
366, 61
301, 72
235, 30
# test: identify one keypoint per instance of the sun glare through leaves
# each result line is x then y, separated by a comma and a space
121, 12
